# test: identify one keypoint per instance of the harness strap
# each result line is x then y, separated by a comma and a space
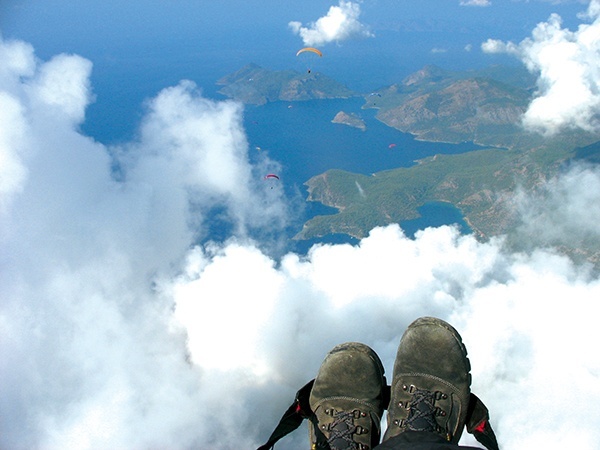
478, 420
292, 418
478, 423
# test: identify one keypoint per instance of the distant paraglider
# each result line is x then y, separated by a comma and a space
271, 176
375, 94
391, 145
316, 51
310, 49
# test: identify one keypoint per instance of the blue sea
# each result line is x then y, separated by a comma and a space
302, 137
299, 135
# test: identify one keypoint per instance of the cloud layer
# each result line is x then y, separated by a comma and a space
567, 64
117, 331
339, 24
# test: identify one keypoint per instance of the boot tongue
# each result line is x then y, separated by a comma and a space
422, 412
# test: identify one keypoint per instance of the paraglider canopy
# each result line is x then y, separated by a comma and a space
271, 176
310, 49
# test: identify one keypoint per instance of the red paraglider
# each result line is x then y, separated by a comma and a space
391, 145
271, 176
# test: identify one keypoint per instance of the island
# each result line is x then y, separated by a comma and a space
256, 85
352, 120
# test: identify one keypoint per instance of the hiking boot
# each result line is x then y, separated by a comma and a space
347, 399
430, 389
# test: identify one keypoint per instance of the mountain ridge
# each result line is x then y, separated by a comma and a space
437, 105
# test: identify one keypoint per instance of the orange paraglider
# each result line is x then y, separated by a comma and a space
316, 51
310, 49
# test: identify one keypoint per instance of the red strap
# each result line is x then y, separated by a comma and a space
480, 428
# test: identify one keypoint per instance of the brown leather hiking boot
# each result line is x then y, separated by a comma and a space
347, 399
430, 389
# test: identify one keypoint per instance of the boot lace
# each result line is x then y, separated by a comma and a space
423, 412
342, 429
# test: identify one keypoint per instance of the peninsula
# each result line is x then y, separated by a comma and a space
436, 105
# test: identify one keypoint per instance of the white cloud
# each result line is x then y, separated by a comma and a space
63, 84
569, 204
497, 46
91, 353
593, 11
17, 58
567, 64
339, 24
12, 170
117, 332
475, 2
194, 150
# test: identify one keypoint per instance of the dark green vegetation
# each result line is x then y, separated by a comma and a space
436, 105
254, 85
